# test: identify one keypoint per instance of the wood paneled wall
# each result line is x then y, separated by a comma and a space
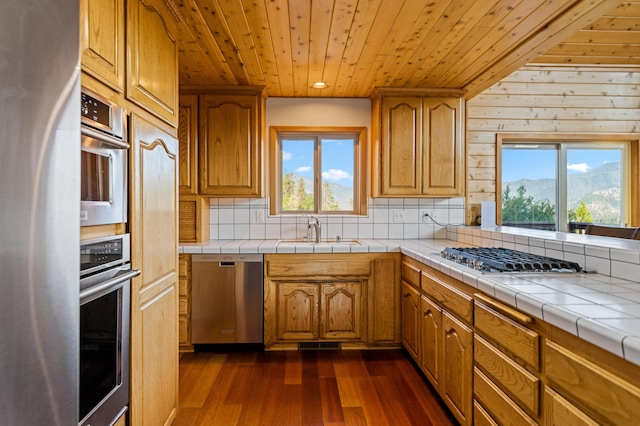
546, 100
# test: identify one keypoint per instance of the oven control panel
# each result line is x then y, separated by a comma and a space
98, 254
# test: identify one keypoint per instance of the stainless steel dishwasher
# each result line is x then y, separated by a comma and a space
226, 298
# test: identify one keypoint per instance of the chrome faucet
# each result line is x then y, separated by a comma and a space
314, 223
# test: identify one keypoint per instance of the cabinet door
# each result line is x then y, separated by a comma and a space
411, 320
443, 142
383, 307
456, 381
154, 294
430, 340
341, 310
401, 150
102, 41
230, 149
152, 53
188, 143
297, 311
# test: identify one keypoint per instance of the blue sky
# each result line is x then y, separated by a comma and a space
337, 161
539, 164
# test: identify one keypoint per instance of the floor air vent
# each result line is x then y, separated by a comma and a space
318, 345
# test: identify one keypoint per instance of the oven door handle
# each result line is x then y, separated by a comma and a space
130, 273
104, 138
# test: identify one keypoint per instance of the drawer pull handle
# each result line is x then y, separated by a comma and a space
503, 309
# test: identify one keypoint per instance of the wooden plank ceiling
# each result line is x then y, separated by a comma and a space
357, 45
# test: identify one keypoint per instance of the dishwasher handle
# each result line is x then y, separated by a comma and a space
227, 264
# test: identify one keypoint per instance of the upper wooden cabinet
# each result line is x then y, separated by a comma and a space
418, 143
230, 142
188, 144
102, 41
152, 58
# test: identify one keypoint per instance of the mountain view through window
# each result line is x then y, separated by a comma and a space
557, 187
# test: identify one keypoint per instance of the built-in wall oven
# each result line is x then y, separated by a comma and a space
103, 191
105, 282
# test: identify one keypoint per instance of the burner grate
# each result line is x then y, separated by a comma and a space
499, 259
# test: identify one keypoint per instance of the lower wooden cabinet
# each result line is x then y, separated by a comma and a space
184, 302
493, 364
507, 363
437, 339
328, 311
318, 297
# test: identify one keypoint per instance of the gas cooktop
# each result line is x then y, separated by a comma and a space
498, 259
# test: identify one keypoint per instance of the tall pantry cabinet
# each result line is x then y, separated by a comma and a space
154, 301
130, 56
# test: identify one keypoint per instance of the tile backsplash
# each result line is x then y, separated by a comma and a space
248, 218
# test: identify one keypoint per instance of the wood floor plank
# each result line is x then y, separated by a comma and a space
292, 406
331, 407
425, 394
240, 386
354, 416
373, 412
348, 387
293, 369
348, 391
200, 374
391, 401
350, 364
311, 397
325, 364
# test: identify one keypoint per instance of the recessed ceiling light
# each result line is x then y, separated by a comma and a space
319, 85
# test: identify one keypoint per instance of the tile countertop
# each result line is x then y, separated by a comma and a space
600, 309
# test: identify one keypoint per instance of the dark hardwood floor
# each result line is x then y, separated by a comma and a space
326, 387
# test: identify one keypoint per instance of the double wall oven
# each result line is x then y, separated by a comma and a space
105, 283
105, 263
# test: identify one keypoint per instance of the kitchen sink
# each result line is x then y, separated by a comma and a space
291, 243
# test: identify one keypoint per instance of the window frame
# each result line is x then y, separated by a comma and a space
359, 173
631, 159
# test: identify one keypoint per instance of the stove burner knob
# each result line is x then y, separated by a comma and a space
470, 263
458, 258
478, 265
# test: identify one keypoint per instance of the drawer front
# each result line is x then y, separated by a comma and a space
481, 417
521, 385
515, 338
559, 411
497, 403
183, 287
411, 274
183, 330
280, 267
453, 299
184, 265
183, 306
611, 398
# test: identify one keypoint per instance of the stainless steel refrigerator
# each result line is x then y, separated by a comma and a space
39, 211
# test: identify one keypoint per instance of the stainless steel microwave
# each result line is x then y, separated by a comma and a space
104, 161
